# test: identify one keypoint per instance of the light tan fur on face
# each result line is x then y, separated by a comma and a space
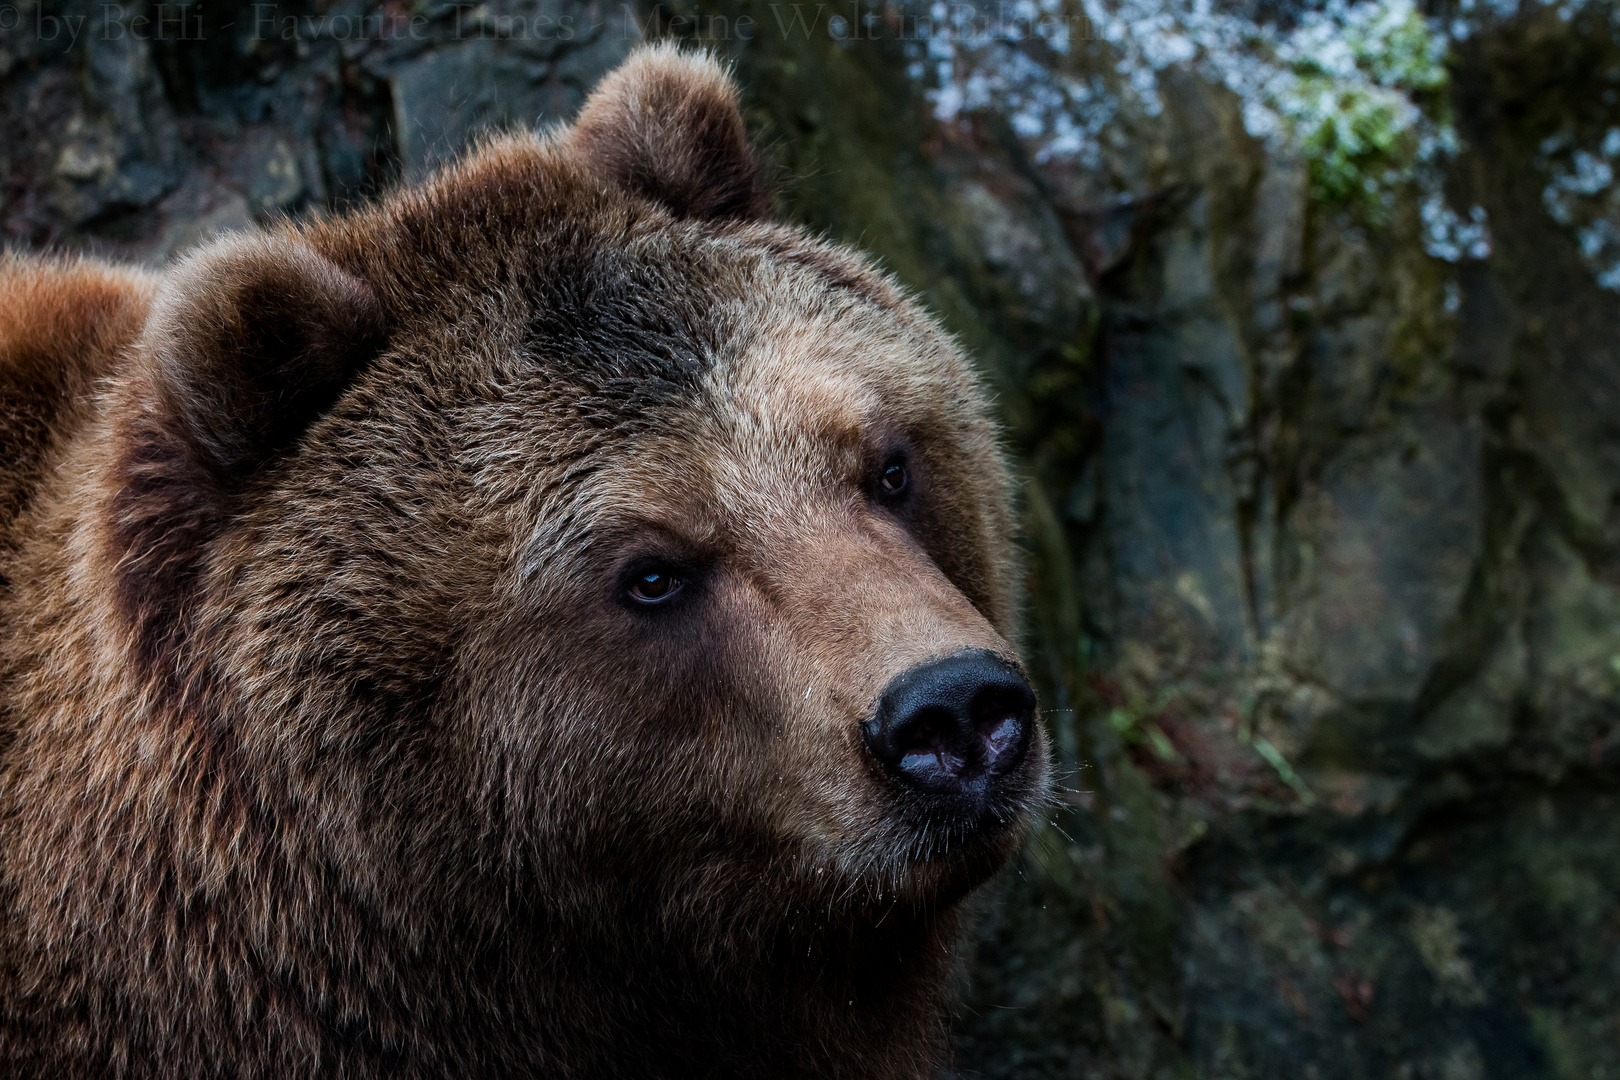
843, 597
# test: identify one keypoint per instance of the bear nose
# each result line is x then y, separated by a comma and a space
947, 725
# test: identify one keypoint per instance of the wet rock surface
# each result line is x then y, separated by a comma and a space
1315, 404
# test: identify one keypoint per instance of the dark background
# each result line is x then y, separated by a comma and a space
1303, 324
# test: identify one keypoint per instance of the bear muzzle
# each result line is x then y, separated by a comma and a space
955, 727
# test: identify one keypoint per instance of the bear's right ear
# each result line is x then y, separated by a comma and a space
247, 343
666, 125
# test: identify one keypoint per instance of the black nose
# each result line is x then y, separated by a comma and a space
948, 725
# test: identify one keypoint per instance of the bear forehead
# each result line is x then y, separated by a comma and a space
779, 401
787, 374
600, 284
740, 410
644, 324
677, 357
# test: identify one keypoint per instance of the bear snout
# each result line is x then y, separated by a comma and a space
953, 726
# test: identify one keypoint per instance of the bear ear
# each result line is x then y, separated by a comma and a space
247, 342
666, 125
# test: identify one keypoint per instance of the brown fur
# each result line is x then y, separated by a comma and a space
330, 742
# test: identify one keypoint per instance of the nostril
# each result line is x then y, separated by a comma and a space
999, 717
923, 733
931, 747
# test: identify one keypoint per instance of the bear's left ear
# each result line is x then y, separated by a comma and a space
248, 342
666, 125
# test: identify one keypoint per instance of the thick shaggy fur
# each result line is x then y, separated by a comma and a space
331, 742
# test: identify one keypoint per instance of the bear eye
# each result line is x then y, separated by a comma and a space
654, 586
893, 478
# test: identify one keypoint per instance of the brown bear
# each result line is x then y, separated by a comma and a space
551, 623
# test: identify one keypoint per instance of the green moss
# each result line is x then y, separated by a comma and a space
1358, 97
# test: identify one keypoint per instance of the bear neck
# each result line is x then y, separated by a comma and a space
770, 983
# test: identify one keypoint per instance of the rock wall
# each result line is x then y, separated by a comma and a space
1303, 320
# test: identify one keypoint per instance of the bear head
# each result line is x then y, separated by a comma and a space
562, 558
